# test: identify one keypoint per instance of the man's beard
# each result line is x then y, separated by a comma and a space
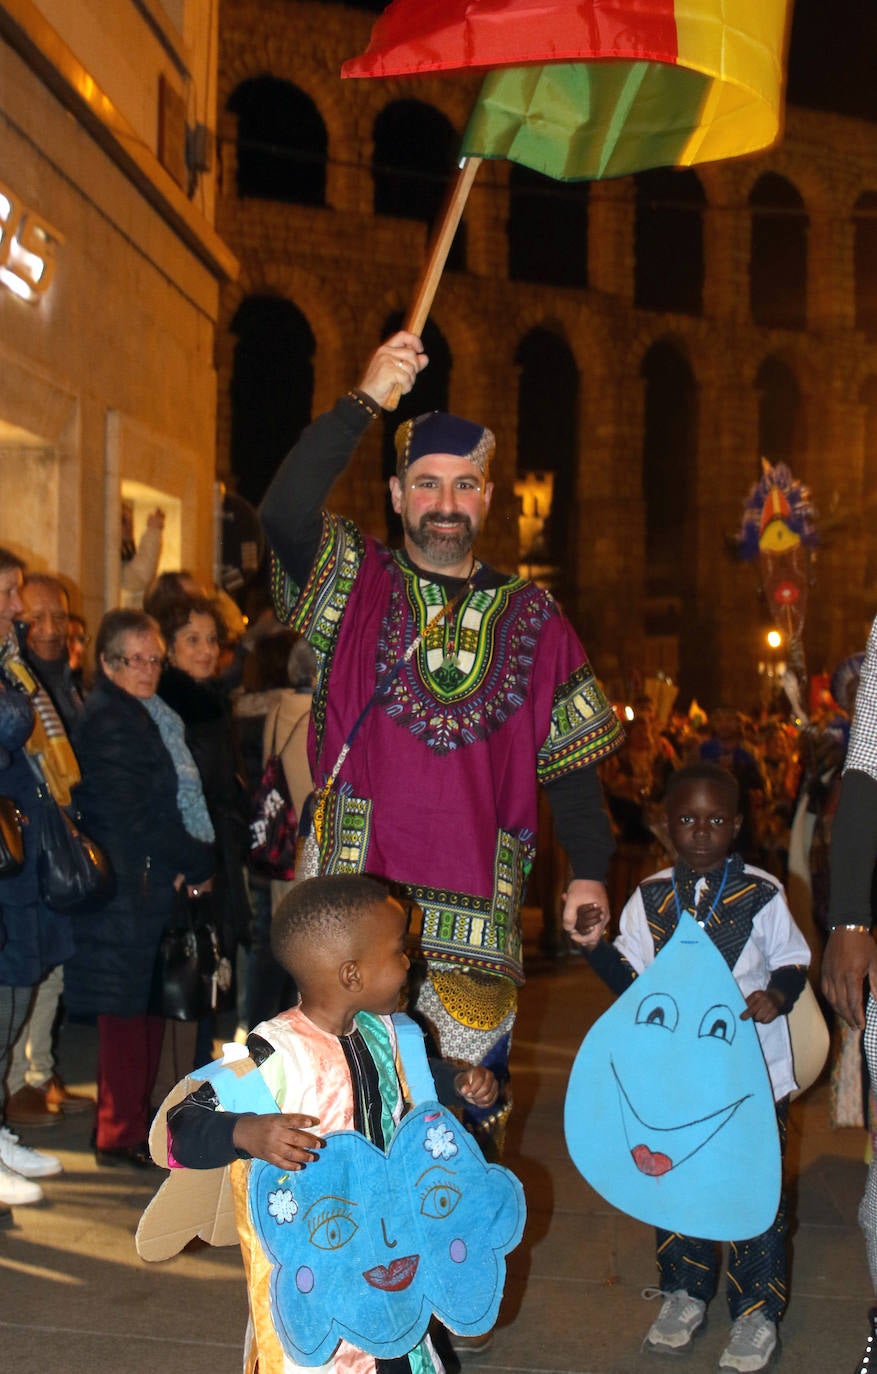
443, 547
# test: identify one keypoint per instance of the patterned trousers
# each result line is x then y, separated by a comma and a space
868, 1207
757, 1268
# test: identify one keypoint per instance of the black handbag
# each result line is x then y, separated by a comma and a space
11, 839
72, 871
186, 977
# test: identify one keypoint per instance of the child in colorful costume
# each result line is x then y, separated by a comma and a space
330, 1062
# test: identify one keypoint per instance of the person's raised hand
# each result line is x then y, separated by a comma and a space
281, 1138
393, 366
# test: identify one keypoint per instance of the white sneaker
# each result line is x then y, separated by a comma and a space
753, 1341
21, 1160
679, 1319
15, 1189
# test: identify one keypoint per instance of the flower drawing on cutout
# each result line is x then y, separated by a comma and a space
282, 1206
440, 1142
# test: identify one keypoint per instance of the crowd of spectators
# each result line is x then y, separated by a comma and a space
157, 742
154, 746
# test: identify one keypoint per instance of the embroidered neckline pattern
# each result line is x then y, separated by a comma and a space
468, 677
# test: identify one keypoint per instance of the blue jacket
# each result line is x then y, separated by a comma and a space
33, 939
128, 803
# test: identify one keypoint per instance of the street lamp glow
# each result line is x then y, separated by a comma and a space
774, 639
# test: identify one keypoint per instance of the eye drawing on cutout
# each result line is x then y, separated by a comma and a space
719, 1023
658, 1009
438, 1197
329, 1222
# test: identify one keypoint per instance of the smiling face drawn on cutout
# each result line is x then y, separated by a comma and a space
366, 1246
669, 1111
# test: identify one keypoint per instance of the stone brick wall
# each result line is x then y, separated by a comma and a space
347, 269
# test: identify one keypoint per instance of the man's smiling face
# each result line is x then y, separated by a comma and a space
442, 502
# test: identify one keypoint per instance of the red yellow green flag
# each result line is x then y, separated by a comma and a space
609, 86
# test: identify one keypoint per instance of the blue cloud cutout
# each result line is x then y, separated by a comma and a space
669, 1112
366, 1246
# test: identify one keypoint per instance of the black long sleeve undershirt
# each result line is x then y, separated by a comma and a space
853, 850
291, 510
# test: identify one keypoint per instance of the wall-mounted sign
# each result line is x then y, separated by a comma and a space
27, 247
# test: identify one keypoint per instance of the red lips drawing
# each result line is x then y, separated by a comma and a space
393, 1277
652, 1164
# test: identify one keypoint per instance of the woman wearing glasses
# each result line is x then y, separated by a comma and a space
141, 800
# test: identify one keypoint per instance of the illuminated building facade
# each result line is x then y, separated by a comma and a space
110, 268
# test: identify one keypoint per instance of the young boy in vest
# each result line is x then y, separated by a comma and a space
744, 912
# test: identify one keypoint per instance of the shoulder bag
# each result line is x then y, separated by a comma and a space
810, 1039
72, 871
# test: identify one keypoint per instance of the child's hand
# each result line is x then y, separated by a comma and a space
585, 912
477, 1085
588, 916
278, 1137
764, 1005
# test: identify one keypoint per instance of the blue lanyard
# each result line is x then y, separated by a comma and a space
712, 910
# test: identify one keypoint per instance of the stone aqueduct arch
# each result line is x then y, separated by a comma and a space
607, 339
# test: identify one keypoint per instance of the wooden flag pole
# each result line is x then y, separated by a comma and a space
437, 255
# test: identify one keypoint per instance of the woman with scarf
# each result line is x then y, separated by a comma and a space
141, 800
193, 631
34, 754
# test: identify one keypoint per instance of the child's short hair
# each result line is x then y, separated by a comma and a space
322, 909
704, 771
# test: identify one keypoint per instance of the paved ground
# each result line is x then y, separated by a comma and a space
75, 1297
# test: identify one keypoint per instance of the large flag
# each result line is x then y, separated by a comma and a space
594, 88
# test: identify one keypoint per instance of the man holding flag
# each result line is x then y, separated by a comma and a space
447, 692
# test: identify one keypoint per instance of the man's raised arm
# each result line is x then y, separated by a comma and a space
292, 506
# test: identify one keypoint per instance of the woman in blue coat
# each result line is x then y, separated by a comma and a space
33, 939
141, 800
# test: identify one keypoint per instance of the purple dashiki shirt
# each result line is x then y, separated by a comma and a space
440, 789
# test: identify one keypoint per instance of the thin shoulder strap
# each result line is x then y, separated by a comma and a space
273, 751
412, 1052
